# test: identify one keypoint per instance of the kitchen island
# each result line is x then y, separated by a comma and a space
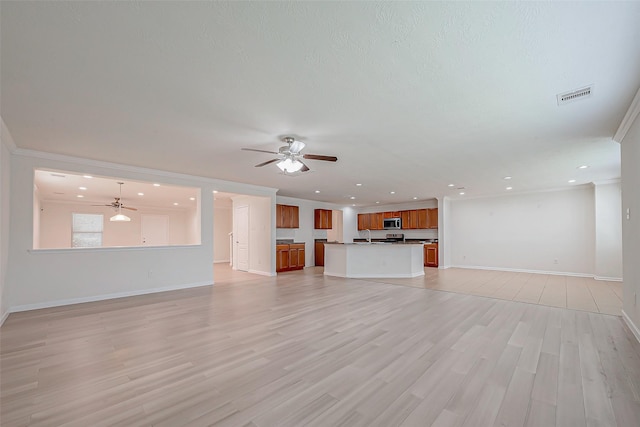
373, 260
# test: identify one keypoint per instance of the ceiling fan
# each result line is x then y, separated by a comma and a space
116, 203
289, 160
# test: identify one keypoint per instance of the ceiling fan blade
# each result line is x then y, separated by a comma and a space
131, 209
320, 157
259, 151
296, 147
266, 163
101, 205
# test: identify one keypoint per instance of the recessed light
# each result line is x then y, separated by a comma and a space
415, 198
192, 198
87, 176
583, 167
392, 192
175, 203
358, 185
215, 191
140, 194
571, 181
80, 196
156, 185
352, 197
377, 202
509, 188
317, 191
451, 185
353, 204
461, 193
82, 188
507, 177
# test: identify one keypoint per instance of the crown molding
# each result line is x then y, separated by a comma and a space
629, 118
218, 184
7, 139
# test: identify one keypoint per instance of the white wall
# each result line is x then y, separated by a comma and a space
336, 232
630, 153
5, 210
222, 226
444, 232
261, 239
526, 232
306, 233
50, 277
37, 208
56, 225
350, 224
608, 223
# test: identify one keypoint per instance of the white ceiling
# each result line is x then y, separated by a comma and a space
409, 96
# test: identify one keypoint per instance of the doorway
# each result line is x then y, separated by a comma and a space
155, 230
241, 234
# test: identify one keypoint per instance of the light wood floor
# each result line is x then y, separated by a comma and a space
578, 293
303, 349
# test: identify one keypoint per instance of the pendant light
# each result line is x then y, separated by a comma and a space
120, 216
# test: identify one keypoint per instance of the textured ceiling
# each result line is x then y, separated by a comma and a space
409, 96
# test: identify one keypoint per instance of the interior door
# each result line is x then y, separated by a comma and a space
241, 219
155, 230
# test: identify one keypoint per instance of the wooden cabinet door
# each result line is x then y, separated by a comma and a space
376, 221
294, 219
432, 218
423, 218
363, 222
322, 219
431, 255
293, 258
318, 254
404, 215
282, 258
301, 258
279, 216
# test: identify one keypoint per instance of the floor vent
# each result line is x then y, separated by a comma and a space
565, 98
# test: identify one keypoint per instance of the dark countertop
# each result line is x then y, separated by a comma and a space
288, 242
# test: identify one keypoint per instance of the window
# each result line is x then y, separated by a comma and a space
87, 230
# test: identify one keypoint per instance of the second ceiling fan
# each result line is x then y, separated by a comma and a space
289, 160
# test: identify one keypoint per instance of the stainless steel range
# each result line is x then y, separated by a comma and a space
394, 238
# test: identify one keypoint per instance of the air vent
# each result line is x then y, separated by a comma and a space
57, 175
565, 98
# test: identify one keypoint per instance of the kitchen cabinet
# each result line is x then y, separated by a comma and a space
409, 219
322, 219
432, 218
394, 214
423, 218
431, 255
364, 222
287, 216
318, 254
290, 257
376, 221
282, 257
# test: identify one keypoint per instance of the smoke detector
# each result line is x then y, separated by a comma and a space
574, 95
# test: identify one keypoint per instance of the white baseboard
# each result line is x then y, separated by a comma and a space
631, 325
81, 300
379, 276
262, 273
219, 261
4, 317
519, 270
608, 279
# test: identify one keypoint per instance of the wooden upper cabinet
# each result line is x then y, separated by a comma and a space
432, 218
409, 219
287, 216
322, 219
423, 221
376, 221
364, 222
394, 214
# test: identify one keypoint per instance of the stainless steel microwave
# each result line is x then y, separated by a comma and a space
392, 223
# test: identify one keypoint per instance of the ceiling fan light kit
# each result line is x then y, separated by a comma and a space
119, 217
289, 161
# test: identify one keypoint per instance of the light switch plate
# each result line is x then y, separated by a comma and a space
628, 213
